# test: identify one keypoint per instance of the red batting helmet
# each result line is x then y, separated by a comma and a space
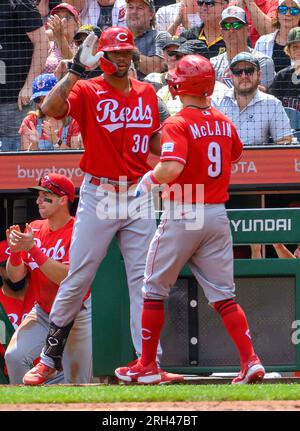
116, 39
194, 75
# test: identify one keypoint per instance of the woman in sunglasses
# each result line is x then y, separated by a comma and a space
273, 44
40, 132
286, 84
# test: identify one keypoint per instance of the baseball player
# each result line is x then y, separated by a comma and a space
198, 146
16, 299
119, 122
42, 254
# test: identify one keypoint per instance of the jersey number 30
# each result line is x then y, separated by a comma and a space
141, 144
214, 154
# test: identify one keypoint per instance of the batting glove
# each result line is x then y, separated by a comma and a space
145, 184
84, 60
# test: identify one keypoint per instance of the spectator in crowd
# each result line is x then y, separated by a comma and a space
101, 13
42, 252
140, 19
40, 132
160, 3
260, 14
256, 115
78, 39
235, 31
286, 84
209, 31
178, 17
273, 44
159, 79
22, 57
192, 46
167, 17
62, 25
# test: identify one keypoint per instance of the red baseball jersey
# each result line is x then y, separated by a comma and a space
56, 245
115, 129
17, 309
4, 251
206, 142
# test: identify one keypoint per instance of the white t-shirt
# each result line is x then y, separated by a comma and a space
166, 15
92, 10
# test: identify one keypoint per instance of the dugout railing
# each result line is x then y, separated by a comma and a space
194, 340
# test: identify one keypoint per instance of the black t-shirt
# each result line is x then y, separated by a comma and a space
105, 17
197, 32
17, 18
160, 3
286, 87
281, 60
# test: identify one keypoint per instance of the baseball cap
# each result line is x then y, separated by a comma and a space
42, 85
234, 12
84, 29
173, 41
245, 56
149, 3
193, 46
293, 35
58, 184
283, 1
72, 9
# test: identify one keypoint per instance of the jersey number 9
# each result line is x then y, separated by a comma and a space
215, 157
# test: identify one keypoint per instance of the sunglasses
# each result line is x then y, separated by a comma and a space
66, 17
47, 184
283, 10
248, 71
236, 25
206, 2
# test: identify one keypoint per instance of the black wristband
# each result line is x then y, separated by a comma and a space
77, 69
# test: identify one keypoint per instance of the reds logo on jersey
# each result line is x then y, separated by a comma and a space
57, 252
116, 118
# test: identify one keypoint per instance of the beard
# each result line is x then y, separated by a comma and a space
246, 91
122, 74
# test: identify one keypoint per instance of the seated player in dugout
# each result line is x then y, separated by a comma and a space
42, 254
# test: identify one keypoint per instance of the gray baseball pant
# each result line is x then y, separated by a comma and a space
91, 238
